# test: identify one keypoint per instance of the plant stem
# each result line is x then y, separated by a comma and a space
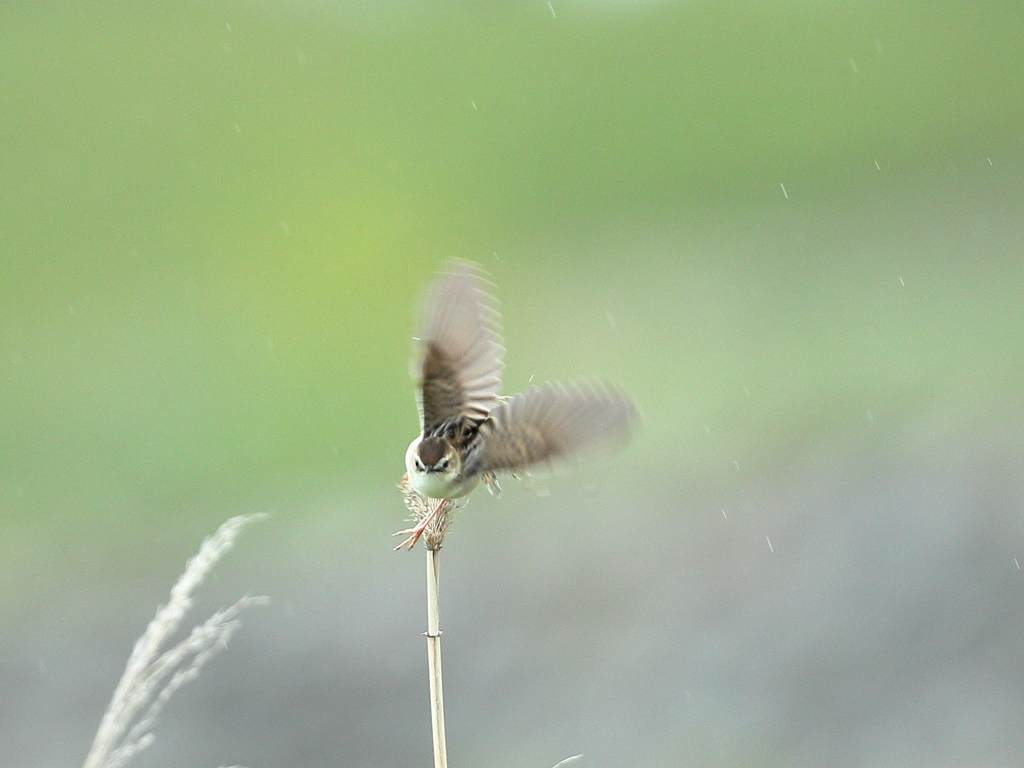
434, 661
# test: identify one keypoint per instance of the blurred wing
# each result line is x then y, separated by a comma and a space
551, 422
458, 361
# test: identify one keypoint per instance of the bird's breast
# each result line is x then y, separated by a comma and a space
435, 485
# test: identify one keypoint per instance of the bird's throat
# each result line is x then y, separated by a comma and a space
439, 485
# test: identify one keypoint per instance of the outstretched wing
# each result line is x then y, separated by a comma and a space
550, 422
457, 364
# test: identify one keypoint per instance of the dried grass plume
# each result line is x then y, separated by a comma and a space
154, 673
431, 517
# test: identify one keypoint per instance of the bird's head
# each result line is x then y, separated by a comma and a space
432, 456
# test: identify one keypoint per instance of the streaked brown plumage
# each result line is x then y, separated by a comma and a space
468, 432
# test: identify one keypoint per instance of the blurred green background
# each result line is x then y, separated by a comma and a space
792, 229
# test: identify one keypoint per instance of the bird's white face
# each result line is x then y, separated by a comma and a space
440, 481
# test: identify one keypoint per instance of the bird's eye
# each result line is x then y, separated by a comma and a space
419, 465
443, 464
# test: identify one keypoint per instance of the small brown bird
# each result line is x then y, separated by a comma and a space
469, 433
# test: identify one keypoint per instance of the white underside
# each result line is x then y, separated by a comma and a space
435, 485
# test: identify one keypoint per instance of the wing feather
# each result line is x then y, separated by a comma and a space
552, 422
457, 364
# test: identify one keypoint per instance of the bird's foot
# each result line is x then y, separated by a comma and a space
416, 531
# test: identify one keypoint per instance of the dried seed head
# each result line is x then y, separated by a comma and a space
440, 511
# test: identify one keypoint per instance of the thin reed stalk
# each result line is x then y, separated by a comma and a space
434, 660
433, 518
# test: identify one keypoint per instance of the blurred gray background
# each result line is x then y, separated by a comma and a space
793, 230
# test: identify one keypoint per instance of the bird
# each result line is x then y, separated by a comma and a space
468, 432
